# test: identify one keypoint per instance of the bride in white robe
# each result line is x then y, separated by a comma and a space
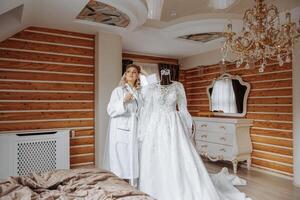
121, 149
170, 167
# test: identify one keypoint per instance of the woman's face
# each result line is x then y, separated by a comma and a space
131, 74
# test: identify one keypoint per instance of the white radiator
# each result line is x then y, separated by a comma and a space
21, 154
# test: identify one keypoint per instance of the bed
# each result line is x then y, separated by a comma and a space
70, 184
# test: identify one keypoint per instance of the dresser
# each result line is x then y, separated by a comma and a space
224, 139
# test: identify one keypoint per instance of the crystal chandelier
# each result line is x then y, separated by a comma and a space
262, 38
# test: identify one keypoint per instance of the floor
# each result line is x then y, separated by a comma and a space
261, 186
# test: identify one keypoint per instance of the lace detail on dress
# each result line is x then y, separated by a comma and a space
165, 97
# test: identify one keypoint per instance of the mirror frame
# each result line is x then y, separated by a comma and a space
226, 75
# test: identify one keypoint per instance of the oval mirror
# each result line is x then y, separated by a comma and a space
228, 96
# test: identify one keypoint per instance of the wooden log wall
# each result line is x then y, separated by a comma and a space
47, 82
269, 105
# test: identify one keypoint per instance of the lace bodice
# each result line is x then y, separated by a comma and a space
161, 101
166, 97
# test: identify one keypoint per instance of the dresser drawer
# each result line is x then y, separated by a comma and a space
202, 125
202, 146
224, 128
214, 150
215, 127
215, 137
219, 150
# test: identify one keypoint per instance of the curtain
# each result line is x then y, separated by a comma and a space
239, 91
152, 73
125, 62
149, 68
173, 68
223, 97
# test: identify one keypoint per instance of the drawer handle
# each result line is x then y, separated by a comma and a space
204, 146
203, 136
204, 125
222, 127
224, 150
223, 138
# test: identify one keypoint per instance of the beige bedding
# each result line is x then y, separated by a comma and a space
70, 184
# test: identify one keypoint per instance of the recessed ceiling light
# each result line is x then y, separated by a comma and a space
221, 4
155, 8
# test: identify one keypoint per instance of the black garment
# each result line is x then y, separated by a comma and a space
239, 91
173, 68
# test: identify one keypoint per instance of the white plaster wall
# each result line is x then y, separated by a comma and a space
296, 112
208, 58
6, 5
107, 76
13, 21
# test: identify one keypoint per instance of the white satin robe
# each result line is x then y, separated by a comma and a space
121, 150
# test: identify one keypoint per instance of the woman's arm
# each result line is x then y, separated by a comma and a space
116, 105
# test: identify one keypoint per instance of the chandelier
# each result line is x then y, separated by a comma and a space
262, 38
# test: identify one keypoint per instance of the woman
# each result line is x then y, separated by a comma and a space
121, 154
170, 168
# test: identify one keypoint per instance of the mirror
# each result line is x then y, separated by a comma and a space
228, 96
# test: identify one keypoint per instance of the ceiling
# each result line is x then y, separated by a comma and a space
184, 8
142, 35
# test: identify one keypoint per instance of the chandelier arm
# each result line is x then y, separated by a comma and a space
273, 13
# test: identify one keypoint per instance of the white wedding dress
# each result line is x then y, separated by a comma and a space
170, 168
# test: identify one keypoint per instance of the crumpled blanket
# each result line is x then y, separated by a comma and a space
70, 184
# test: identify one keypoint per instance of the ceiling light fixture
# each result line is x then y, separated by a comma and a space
262, 38
155, 8
220, 4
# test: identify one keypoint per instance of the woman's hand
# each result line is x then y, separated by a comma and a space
128, 97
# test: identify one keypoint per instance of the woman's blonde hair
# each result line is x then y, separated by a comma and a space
137, 83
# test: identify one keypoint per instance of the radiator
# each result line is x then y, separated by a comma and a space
21, 154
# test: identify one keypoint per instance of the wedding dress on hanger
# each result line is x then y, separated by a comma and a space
170, 167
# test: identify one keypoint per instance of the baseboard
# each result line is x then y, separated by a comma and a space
254, 168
